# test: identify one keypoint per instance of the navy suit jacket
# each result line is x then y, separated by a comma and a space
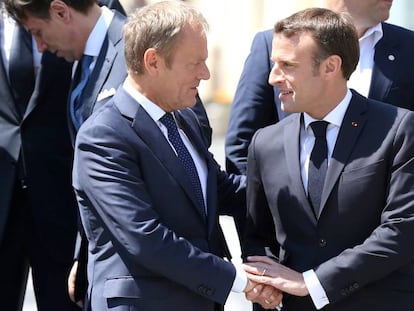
256, 103
48, 155
149, 246
108, 74
360, 244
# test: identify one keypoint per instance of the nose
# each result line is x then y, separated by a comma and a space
275, 75
41, 45
204, 72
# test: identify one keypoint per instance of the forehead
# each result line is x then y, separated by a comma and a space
34, 23
192, 43
298, 45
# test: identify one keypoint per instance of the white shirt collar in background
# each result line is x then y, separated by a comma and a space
361, 78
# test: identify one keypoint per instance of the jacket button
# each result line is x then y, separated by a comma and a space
209, 292
322, 242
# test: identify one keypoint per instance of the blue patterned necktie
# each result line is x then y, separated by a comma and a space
75, 104
185, 157
318, 165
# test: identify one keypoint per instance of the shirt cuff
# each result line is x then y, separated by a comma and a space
315, 289
240, 281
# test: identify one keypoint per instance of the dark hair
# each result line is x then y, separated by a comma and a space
20, 9
333, 33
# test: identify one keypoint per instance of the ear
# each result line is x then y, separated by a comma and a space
332, 65
152, 61
59, 10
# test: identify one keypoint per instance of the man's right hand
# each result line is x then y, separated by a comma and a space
71, 284
267, 296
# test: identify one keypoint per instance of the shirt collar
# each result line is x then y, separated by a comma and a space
97, 36
336, 116
374, 34
152, 109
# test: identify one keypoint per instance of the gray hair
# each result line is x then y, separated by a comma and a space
158, 26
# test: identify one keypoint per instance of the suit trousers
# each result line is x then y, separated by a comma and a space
20, 249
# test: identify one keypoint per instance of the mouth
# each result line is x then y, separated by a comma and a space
284, 93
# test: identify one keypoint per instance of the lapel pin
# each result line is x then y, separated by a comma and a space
391, 57
354, 124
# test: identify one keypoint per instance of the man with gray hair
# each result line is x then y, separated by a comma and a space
149, 192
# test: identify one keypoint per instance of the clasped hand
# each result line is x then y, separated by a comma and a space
267, 296
270, 279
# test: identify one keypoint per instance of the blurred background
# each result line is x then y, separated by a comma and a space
233, 23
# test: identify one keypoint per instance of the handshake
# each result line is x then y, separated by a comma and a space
268, 280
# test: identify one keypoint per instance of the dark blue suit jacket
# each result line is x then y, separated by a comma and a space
360, 244
149, 247
108, 74
42, 136
256, 102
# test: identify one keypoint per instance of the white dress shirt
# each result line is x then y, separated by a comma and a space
360, 79
307, 140
97, 37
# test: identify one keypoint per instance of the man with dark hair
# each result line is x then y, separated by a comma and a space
38, 220
330, 187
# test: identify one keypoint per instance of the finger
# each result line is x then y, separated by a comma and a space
262, 259
260, 279
71, 281
267, 293
255, 268
254, 293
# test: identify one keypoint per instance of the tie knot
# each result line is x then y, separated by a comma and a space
168, 121
86, 61
319, 128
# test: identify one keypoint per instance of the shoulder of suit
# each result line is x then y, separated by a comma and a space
395, 32
115, 30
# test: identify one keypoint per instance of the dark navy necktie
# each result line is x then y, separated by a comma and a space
184, 156
21, 68
75, 105
318, 165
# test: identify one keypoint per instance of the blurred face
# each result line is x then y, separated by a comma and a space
177, 85
55, 34
294, 73
365, 13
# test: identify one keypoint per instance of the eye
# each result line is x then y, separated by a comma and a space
286, 64
37, 33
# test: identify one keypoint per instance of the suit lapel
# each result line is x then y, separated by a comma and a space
6, 95
352, 125
292, 132
32, 101
150, 133
98, 77
104, 65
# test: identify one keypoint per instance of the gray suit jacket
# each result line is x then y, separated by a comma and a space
149, 247
109, 71
360, 245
